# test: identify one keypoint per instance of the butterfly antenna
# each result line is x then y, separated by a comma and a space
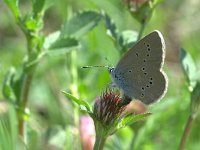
93, 66
107, 66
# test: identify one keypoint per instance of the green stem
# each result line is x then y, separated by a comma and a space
186, 132
24, 100
143, 25
101, 136
134, 137
74, 87
27, 79
74, 91
99, 142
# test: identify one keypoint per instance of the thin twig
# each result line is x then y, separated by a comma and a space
143, 25
186, 132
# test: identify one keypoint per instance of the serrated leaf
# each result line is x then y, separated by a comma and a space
13, 5
63, 46
111, 27
130, 119
80, 24
7, 89
188, 67
50, 39
66, 43
78, 101
55, 44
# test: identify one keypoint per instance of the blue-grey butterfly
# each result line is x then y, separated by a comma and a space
139, 72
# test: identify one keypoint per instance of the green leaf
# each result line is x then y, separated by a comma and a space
13, 84
31, 24
48, 3
18, 83
111, 28
157, 2
80, 24
8, 91
64, 43
38, 6
188, 67
30, 66
122, 41
50, 39
55, 44
6, 139
78, 101
13, 5
195, 99
130, 119
144, 12
128, 38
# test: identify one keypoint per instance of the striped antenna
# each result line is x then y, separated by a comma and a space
98, 65
93, 66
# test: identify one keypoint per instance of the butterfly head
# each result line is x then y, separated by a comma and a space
111, 70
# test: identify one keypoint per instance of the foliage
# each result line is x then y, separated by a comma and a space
52, 40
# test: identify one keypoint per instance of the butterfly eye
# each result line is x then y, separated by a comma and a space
111, 70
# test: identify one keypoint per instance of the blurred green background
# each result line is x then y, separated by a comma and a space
52, 114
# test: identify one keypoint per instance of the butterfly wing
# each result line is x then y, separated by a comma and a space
139, 73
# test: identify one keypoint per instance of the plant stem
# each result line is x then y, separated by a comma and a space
143, 25
27, 79
186, 132
99, 142
100, 136
74, 91
25, 93
133, 141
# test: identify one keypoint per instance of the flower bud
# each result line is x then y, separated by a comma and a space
108, 108
141, 10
